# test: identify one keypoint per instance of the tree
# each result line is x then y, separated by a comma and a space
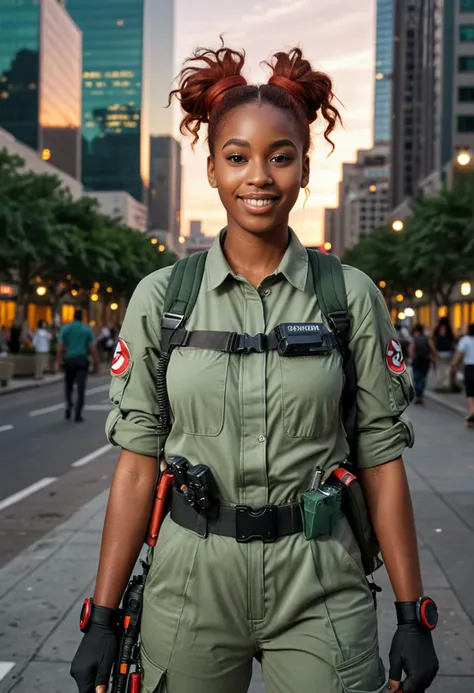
32, 239
438, 242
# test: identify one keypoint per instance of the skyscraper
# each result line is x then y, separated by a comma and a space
40, 80
383, 71
164, 209
115, 124
159, 32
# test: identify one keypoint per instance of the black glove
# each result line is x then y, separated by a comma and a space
95, 657
413, 652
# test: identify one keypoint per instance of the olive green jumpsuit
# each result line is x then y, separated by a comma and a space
262, 423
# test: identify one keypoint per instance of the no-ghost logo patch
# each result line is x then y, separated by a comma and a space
394, 357
121, 359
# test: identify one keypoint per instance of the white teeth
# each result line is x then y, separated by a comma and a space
258, 203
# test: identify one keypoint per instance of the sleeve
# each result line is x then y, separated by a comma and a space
132, 422
384, 388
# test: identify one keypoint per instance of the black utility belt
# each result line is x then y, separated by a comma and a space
241, 522
289, 339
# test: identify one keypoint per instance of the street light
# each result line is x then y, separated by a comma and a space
419, 293
182, 239
109, 289
46, 154
113, 306
154, 241
373, 188
327, 246
402, 315
409, 312
161, 248
382, 284
465, 288
464, 158
74, 292
94, 297
397, 225
400, 298
41, 290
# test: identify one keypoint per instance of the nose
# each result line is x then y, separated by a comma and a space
259, 173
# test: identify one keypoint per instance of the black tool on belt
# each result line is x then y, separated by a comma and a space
195, 484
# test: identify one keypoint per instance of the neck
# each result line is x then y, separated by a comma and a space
255, 256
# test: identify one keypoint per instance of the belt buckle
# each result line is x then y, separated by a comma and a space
260, 523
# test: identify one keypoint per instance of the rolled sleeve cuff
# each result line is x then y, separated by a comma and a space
131, 435
378, 447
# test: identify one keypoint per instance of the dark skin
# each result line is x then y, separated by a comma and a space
256, 240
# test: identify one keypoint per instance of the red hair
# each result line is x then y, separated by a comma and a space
211, 84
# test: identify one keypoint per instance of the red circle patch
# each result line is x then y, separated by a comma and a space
121, 360
394, 357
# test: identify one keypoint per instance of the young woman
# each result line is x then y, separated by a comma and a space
445, 344
262, 423
41, 343
465, 355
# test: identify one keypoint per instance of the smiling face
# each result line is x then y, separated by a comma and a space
258, 166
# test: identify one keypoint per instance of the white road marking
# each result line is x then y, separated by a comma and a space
58, 407
24, 493
47, 410
91, 456
5, 667
98, 407
7, 427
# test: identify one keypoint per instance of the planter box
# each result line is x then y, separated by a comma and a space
25, 365
7, 368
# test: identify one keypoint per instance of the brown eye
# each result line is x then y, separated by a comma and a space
280, 158
236, 158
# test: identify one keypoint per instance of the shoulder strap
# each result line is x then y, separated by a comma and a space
330, 289
184, 284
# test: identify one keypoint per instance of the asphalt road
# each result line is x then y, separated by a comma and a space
49, 467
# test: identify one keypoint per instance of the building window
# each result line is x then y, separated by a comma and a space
466, 94
466, 32
466, 5
466, 63
466, 123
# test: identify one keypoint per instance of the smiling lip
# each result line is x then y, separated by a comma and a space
258, 203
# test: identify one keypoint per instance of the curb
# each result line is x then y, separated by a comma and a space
444, 402
29, 386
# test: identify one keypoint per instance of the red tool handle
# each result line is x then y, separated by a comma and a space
159, 507
135, 683
345, 477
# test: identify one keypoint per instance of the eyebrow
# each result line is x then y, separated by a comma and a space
274, 145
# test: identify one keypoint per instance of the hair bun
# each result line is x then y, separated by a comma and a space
203, 81
311, 89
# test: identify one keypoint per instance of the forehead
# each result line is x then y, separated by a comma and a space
258, 124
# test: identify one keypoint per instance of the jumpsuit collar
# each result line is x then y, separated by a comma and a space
293, 266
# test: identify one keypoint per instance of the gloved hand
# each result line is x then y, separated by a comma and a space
94, 659
412, 652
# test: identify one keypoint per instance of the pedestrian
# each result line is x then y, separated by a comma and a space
3, 340
234, 584
76, 342
41, 344
422, 353
444, 342
465, 355
14, 341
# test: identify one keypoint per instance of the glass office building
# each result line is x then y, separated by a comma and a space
383, 71
115, 133
40, 79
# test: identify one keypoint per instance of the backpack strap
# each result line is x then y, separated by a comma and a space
330, 289
181, 295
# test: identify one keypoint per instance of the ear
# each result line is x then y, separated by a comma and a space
211, 172
305, 173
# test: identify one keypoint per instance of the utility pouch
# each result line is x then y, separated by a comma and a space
355, 509
321, 510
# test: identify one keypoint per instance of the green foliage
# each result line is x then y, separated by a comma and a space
433, 252
68, 243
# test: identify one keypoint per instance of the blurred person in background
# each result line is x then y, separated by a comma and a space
422, 353
444, 342
41, 344
14, 341
465, 355
75, 342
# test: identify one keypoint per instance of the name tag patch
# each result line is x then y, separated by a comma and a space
121, 359
394, 357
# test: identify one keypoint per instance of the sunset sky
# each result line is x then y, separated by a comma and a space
337, 36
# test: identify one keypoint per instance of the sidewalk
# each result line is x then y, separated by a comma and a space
42, 589
19, 384
454, 402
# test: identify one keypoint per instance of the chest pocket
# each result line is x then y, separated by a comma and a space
311, 388
197, 380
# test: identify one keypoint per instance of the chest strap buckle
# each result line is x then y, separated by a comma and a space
245, 343
261, 523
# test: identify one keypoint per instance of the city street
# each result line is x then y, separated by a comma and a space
50, 539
